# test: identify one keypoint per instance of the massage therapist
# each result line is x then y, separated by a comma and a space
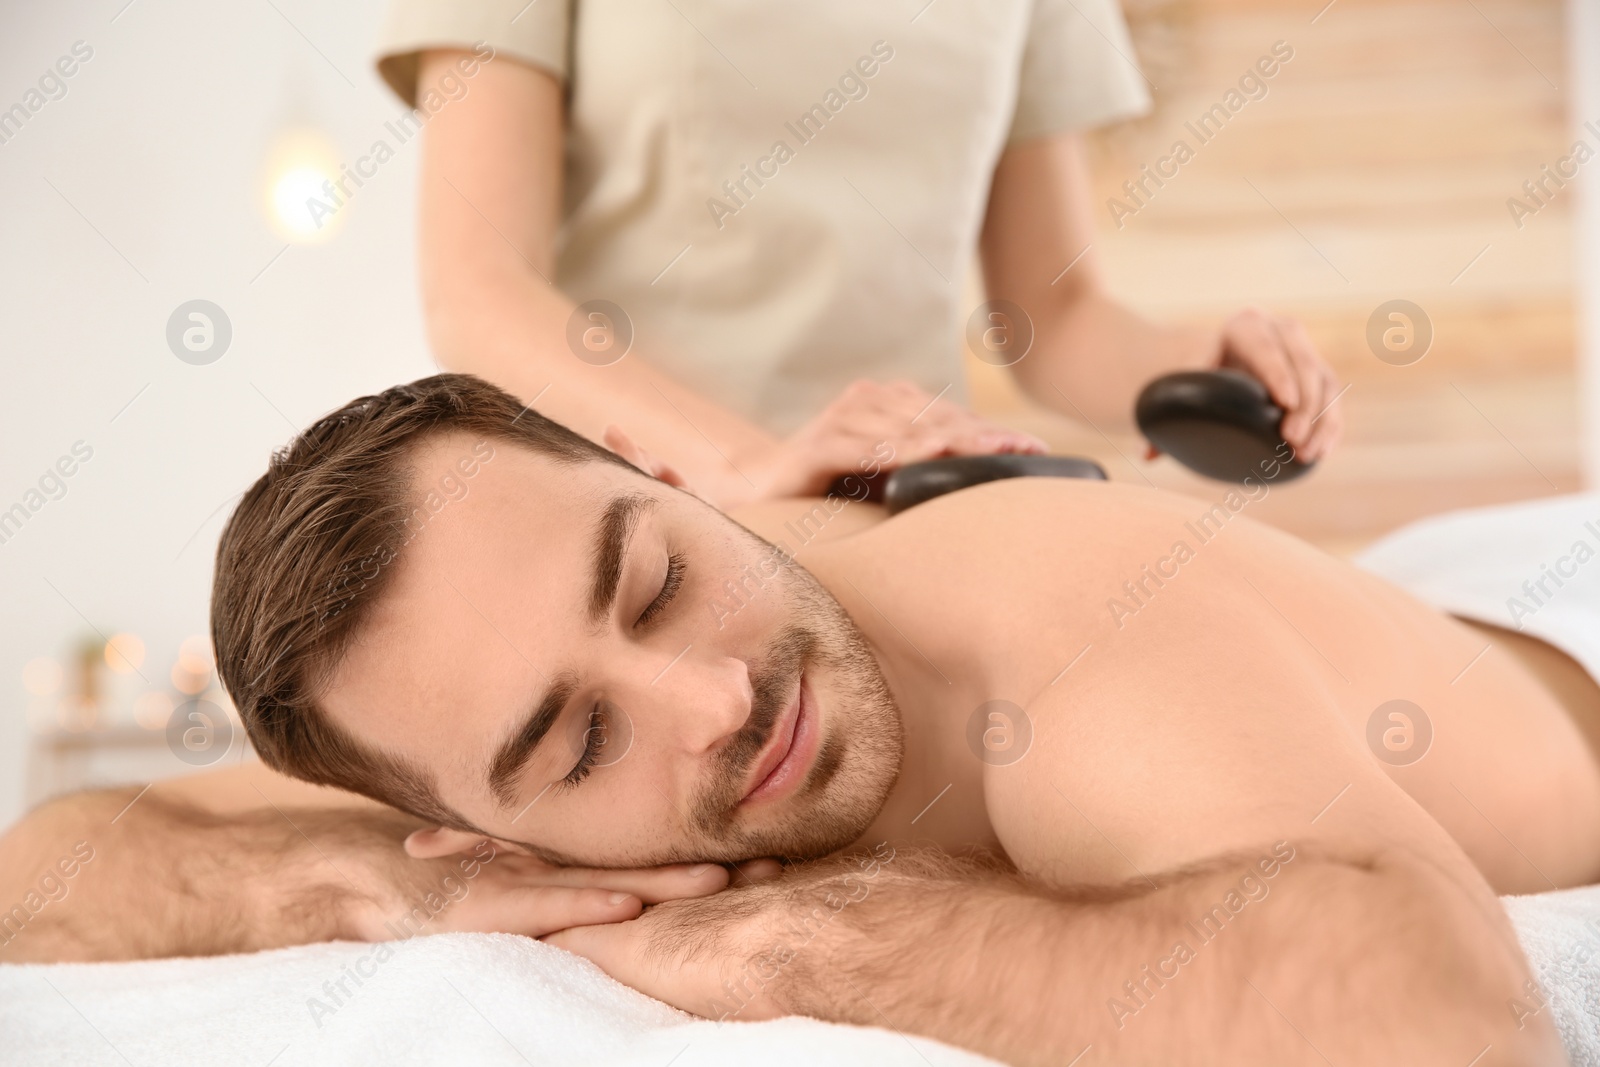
740, 229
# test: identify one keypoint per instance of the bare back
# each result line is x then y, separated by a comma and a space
1174, 662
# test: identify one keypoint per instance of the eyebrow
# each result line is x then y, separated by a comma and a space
613, 532
616, 527
513, 755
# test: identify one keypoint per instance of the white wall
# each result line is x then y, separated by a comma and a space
160, 143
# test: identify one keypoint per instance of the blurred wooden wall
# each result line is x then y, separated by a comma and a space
1381, 160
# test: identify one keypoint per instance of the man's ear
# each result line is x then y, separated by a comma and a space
625, 446
440, 841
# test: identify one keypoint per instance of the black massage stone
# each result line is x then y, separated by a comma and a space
1221, 424
914, 483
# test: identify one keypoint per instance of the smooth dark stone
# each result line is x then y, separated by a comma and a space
1221, 424
910, 485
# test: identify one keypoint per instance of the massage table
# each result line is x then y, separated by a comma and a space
488, 999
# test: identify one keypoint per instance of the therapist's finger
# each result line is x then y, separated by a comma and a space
1307, 367
900, 408
934, 445
970, 433
1253, 344
1329, 427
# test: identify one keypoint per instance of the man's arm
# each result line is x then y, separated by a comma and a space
156, 876
1091, 355
242, 860
1356, 958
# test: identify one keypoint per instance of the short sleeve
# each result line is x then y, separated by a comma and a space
536, 32
1078, 69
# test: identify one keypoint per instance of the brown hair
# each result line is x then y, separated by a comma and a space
306, 554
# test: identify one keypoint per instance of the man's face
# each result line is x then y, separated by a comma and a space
605, 668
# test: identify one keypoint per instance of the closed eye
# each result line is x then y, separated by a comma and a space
676, 565
593, 738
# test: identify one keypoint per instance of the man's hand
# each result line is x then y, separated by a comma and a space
874, 426
697, 955
492, 889
724, 956
1279, 352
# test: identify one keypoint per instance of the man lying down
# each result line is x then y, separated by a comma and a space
1011, 818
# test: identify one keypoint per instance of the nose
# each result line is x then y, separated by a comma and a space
701, 701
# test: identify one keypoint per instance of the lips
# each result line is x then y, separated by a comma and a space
784, 761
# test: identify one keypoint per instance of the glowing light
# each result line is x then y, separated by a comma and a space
186, 681
152, 710
297, 202
42, 677
124, 653
300, 199
195, 654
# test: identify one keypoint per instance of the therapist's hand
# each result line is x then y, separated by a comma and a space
1278, 351
878, 425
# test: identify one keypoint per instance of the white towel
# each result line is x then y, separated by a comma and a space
480, 999
1533, 567
1560, 932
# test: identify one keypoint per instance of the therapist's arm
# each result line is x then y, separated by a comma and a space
490, 209
1091, 355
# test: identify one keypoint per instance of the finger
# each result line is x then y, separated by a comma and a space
623, 951
916, 449
605, 945
1253, 344
901, 400
935, 415
616, 948
535, 911
650, 884
964, 433
955, 421
1008, 440
1326, 430
752, 871
1308, 368
906, 389
979, 440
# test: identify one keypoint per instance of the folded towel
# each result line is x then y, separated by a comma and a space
1560, 932
481, 999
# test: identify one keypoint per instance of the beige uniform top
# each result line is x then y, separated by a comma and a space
784, 197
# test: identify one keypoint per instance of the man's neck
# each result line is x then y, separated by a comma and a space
938, 795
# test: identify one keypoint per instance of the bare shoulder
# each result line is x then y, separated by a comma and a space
1062, 532
252, 785
1135, 637
801, 521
